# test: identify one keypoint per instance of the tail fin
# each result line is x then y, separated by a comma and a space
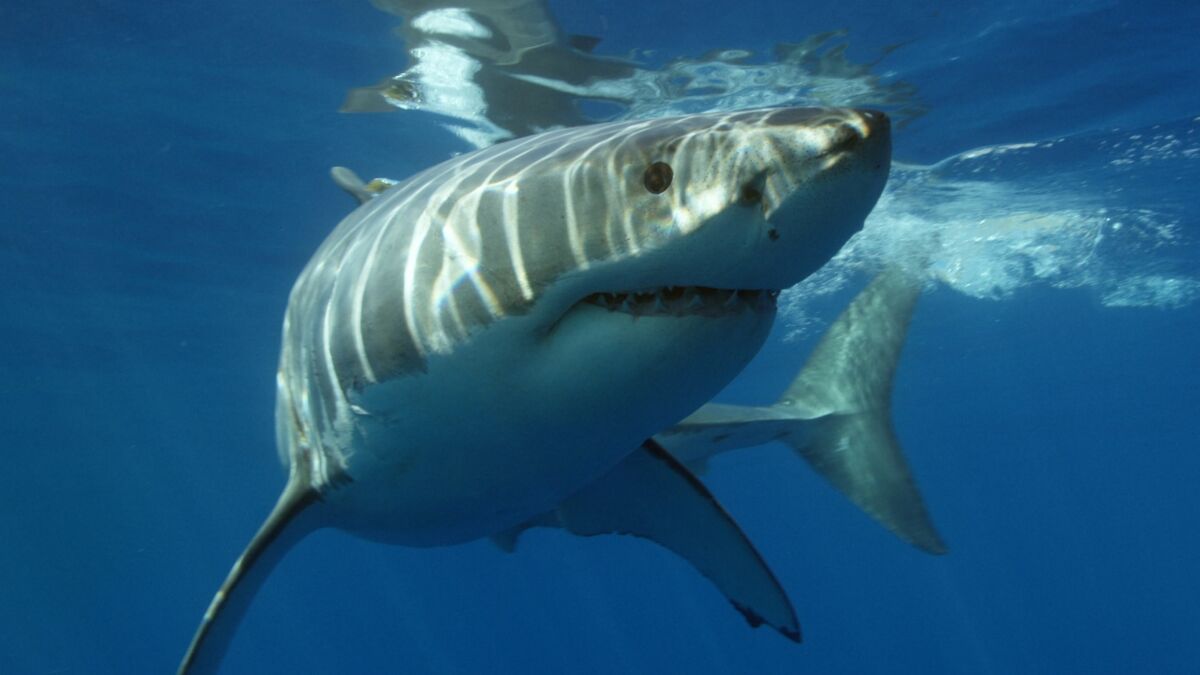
278, 533
836, 414
844, 394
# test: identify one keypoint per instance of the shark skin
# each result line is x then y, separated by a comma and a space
503, 333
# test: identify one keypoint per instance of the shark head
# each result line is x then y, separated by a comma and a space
682, 212
680, 235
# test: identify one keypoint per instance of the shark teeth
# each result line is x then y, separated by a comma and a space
684, 301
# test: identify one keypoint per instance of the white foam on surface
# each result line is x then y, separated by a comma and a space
992, 221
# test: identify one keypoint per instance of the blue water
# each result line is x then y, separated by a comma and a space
164, 181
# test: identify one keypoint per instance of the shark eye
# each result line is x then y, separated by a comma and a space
658, 177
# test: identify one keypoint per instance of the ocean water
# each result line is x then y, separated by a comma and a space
164, 181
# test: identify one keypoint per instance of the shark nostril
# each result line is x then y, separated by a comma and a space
875, 121
845, 139
750, 195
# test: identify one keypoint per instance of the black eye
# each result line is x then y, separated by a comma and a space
658, 177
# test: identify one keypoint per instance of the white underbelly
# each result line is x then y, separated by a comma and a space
506, 430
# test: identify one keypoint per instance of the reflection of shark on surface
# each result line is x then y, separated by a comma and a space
505, 68
501, 341
472, 60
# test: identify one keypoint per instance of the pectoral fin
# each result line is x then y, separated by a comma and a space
652, 496
288, 523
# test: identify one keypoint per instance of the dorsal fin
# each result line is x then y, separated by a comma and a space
355, 187
351, 183
278, 533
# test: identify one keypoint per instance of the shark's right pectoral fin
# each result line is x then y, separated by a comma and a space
652, 496
287, 524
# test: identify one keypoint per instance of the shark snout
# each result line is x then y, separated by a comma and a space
840, 154
865, 134
818, 195
861, 128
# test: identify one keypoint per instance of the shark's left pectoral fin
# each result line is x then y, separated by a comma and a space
651, 495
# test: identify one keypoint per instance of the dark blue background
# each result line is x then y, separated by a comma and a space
163, 181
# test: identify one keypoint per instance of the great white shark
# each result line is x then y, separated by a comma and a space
527, 335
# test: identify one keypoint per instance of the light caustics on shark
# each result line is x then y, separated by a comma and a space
517, 336
1071, 212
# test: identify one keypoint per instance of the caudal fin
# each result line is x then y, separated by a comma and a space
844, 393
278, 533
836, 414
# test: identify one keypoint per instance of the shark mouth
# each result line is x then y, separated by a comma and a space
685, 301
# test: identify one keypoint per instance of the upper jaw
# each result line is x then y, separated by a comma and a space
685, 301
